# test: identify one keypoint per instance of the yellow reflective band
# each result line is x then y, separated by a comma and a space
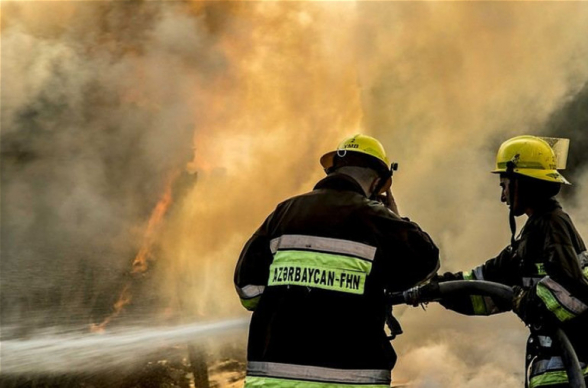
552, 378
251, 304
270, 382
552, 304
478, 303
585, 271
320, 270
540, 269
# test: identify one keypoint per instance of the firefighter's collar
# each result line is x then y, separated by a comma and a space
338, 181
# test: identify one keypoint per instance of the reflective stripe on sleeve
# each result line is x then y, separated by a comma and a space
558, 300
479, 303
479, 272
323, 244
549, 372
318, 374
530, 282
250, 291
250, 304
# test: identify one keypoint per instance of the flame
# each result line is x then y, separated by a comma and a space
141, 262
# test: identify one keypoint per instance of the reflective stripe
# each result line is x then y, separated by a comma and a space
323, 260
270, 382
250, 291
250, 304
320, 270
530, 281
478, 305
558, 300
550, 372
544, 365
323, 244
545, 341
478, 301
318, 374
478, 272
540, 269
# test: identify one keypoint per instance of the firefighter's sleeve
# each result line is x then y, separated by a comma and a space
494, 270
420, 257
252, 271
563, 292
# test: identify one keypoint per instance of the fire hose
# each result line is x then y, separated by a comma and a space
435, 291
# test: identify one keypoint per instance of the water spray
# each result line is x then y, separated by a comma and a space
50, 352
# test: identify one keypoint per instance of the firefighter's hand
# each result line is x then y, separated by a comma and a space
454, 303
447, 277
388, 200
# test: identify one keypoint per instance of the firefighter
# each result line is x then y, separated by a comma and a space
316, 271
547, 264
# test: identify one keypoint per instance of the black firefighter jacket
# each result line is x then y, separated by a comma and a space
315, 273
549, 261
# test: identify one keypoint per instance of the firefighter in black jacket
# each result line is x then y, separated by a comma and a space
316, 271
547, 265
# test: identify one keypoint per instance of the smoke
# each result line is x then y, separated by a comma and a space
101, 103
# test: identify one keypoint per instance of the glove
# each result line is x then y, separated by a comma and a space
455, 303
447, 277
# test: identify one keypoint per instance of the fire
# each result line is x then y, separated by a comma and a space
141, 262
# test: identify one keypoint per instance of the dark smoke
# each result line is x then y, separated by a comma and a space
91, 126
571, 121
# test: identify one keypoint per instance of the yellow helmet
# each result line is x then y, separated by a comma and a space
361, 144
530, 156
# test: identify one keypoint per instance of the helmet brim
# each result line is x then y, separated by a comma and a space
544, 175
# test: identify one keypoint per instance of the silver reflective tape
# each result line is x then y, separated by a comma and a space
315, 373
250, 291
551, 364
530, 282
478, 273
563, 296
323, 244
541, 366
545, 341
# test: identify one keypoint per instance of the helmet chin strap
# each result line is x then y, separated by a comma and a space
511, 198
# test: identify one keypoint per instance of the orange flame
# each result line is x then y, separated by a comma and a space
140, 263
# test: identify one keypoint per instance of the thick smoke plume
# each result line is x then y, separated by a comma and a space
102, 102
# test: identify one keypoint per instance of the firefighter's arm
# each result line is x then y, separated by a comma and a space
421, 257
562, 294
252, 271
492, 270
